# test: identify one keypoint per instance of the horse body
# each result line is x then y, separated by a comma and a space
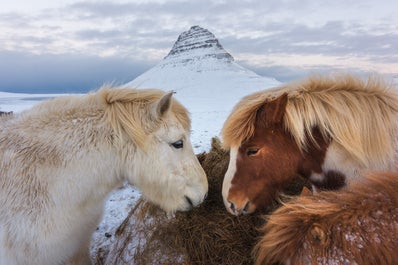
357, 225
60, 160
328, 130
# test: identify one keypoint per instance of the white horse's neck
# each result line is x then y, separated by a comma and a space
73, 145
93, 176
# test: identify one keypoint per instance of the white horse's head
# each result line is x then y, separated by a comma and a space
162, 163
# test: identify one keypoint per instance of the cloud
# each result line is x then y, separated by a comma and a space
333, 38
282, 38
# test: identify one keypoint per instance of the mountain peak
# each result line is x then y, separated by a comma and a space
197, 43
198, 62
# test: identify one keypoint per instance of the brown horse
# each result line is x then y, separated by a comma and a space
330, 130
358, 225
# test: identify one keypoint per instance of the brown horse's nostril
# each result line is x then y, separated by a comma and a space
246, 208
239, 211
232, 206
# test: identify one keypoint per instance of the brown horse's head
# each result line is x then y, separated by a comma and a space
266, 162
261, 165
324, 129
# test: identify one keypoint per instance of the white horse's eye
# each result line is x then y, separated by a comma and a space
178, 144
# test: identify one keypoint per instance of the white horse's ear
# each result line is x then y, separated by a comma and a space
164, 104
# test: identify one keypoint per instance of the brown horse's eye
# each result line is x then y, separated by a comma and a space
252, 152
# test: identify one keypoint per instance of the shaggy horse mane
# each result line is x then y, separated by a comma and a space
358, 224
360, 115
126, 109
130, 112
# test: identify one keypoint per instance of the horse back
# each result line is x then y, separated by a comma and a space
357, 225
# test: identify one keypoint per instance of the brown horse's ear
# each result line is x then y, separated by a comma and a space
277, 108
163, 105
305, 191
273, 111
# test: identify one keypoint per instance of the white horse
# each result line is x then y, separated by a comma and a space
60, 159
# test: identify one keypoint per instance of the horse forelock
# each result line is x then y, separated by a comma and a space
360, 115
240, 124
131, 111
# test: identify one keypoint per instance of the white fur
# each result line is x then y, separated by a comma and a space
226, 185
337, 159
58, 165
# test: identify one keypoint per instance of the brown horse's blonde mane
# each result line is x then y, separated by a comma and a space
133, 111
316, 226
360, 115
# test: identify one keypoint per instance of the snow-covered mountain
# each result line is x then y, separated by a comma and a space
206, 78
197, 66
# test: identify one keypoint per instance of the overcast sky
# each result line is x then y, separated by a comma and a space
48, 45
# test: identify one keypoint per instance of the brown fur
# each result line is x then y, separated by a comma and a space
353, 226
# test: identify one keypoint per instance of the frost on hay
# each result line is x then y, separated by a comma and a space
206, 235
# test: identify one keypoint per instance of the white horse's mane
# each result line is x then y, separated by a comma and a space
124, 108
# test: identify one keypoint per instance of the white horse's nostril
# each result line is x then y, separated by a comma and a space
189, 201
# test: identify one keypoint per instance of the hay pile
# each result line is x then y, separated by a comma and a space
206, 235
